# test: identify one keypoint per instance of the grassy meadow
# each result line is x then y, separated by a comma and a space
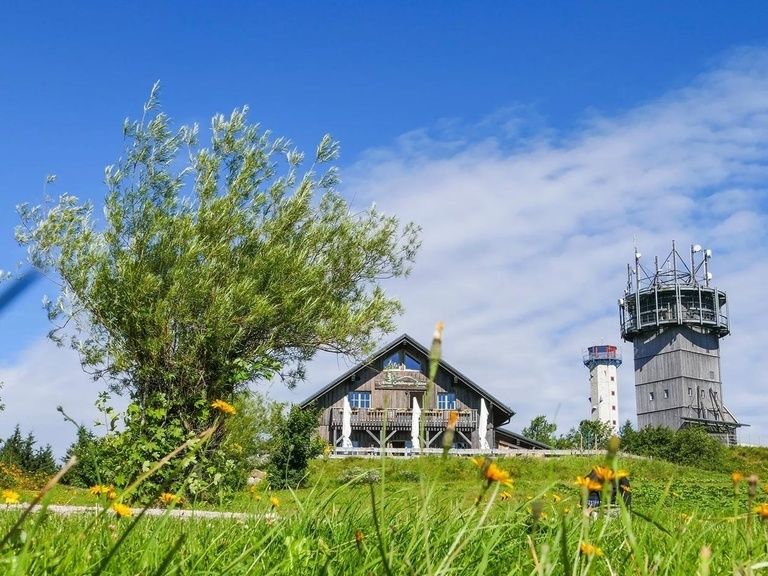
420, 516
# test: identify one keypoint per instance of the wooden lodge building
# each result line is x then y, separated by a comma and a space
384, 391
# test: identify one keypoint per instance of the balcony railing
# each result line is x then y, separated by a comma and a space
401, 419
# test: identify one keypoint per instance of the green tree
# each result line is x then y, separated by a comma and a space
541, 430
295, 443
589, 435
216, 265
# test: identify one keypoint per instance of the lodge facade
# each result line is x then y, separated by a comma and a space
375, 401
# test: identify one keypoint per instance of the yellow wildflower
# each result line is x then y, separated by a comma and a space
736, 477
505, 495
10, 497
495, 474
122, 510
479, 462
588, 549
101, 489
621, 474
762, 511
588, 483
359, 537
603, 474
224, 407
274, 501
453, 419
167, 498
556, 497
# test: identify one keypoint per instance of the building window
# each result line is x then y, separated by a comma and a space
650, 396
446, 401
666, 393
614, 422
613, 408
360, 399
401, 360
690, 391
613, 392
613, 378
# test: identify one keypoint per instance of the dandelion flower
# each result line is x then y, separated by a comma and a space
168, 498
556, 497
588, 483
101, 489
10, 497
223, 407
762, 511
736, 477
588, 549
603, 474
359, 537
493, 473
122, 510
274, 501
453, 419
506, 495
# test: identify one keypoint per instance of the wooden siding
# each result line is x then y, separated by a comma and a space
680, 367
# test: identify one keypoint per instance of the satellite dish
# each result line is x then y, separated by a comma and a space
696, 248
708, 253
709, 275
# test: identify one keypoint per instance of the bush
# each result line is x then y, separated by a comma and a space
294, 444
203, 472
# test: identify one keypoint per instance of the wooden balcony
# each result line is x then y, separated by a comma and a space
400, 419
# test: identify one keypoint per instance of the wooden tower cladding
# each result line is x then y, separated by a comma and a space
675, 318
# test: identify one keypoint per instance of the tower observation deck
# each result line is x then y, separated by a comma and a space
675, 317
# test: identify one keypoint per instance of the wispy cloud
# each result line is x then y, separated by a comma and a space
527, 234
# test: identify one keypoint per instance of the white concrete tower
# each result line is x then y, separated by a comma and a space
602, 362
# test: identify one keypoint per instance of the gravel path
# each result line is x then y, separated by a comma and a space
65, 510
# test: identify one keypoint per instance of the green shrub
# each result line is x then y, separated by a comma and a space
205, 471
295, 443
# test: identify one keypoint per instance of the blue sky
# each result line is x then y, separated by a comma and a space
532, 141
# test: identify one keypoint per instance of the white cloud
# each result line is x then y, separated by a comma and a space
526, 242
43, 377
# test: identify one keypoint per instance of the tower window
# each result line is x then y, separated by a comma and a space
666, 393
613, 392
690, 391
613, 378
650, 396
613, 408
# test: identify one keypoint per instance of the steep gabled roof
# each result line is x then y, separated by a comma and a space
399, 341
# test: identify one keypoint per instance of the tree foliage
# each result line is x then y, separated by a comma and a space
541, 430
23, 453
216, 265
691, 446
295, 444
589, 435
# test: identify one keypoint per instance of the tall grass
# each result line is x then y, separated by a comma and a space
421, 517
